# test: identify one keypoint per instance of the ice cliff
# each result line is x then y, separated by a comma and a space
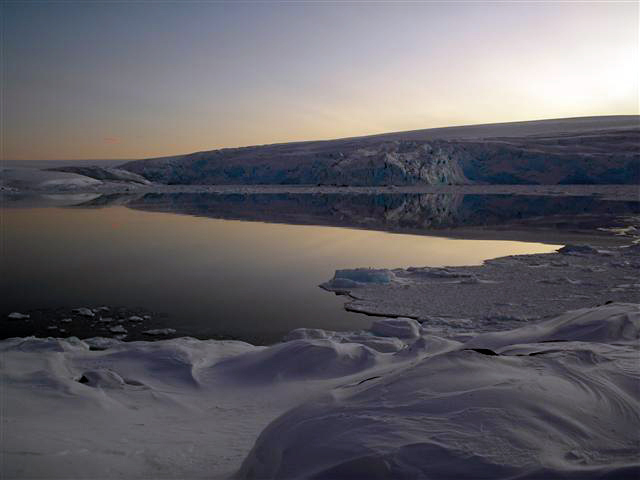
605, 150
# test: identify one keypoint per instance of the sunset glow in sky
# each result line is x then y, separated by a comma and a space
143, 79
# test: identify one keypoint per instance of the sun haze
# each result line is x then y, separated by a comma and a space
143, 79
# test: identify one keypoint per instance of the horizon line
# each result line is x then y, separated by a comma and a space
368, 135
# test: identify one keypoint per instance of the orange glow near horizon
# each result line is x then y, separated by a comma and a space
92, 81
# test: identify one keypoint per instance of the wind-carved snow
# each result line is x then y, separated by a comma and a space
553, 399
562, 402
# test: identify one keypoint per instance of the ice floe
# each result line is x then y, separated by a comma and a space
502, 293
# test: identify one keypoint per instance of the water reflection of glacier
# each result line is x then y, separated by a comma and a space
394, 212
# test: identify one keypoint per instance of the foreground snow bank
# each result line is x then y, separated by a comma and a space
555, 399
568, 408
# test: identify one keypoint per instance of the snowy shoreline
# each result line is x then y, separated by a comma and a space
440, 398
72, 184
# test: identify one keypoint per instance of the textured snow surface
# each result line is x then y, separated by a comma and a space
540, 410
502, 294
34, 179
557, 399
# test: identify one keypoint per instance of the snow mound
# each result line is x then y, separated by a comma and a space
474, 414
396, 327
379, 344
101, 343
103, 378
614, 323
299, 359
308, 334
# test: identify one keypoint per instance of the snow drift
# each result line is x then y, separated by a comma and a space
558, 399
570, 410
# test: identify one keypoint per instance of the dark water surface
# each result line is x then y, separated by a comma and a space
210, 277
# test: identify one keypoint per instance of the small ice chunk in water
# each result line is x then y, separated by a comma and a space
66, 320
118, 329
135, 318
107, 319
83, 311
18, 316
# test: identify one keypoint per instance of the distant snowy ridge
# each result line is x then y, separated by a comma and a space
557, 399
16, 178
590, 150
65, 179
104, 173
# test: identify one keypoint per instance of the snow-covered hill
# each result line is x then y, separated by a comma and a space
571, 151
65, 179
16, 178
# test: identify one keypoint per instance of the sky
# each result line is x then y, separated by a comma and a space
138, 79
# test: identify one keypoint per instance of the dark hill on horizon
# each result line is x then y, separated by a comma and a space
585, 150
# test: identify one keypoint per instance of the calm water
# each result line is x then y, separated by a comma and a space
206, 276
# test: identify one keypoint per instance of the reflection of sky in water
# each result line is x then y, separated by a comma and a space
211, 276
